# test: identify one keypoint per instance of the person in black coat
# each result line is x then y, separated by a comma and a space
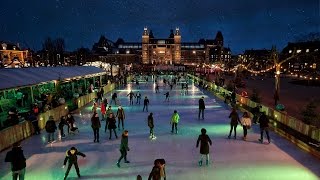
151, 125
158, 171
264, 126
201, 107
204, 146
34, 120
51, 129
17, 160
71, 157
96, 125
124, 148
111, 125
61, 124
146, 103
234, 117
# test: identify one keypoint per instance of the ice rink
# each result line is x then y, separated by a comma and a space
230, 159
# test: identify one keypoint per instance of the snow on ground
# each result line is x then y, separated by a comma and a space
230, 158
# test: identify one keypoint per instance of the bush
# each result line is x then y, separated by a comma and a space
255, 96
309, 114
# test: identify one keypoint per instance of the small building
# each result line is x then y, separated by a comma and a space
12, 56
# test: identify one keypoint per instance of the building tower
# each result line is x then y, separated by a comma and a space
145, 44
219, 39
177, 47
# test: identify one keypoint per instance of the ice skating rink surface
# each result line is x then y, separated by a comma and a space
230, 159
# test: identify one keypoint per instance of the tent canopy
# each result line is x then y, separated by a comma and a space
20, 77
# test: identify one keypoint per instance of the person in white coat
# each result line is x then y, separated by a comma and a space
246, 124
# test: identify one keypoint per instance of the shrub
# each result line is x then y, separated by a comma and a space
255, 96
309, 114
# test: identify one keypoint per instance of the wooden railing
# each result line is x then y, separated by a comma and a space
277, 116
57, 112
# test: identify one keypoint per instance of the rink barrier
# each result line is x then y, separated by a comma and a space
15, 133
84, 100
308, 133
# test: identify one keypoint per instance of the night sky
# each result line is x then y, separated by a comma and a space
245, 24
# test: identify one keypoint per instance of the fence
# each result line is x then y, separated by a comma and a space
276, 116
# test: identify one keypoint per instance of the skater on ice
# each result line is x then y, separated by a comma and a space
121, 116
124, 148
204, 141
151, 126
96, 125
72, 159
174, 121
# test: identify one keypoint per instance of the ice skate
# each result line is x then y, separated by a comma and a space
200, 163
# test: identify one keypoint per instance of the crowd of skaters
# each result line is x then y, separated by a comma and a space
158, 171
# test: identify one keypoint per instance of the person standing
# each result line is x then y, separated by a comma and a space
246, 124
109, 111
201, 107
234, 122
71, 157
151, 126
174, 121
96, 125
18, 162
204, 146
103, 110
121, 116
51, 129
167, 96
124, 148
70, 120
114, 98
131, 96
145, 103
111, 125
264, 126
34, 120
158, 171
157, 88
138, 96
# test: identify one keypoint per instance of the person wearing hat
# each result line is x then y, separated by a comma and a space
121, 116
71, 157
204, 141
201, 107
51, 129
17, 160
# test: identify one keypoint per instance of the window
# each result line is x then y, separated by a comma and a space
290, 51
299, 51
307, 50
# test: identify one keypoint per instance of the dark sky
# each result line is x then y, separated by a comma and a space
245, 24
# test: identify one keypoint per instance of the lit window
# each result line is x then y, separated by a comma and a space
290, 51
128, 52
316, 50
193, 52
307, 50
299, 51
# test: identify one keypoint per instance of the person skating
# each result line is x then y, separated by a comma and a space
204, 140
138, 96
174, 121
121, 116
167, 96
157, 88
131, 96
145, 103
124, 147
96, 125
114, 98
109, 111
72, 159
111, 125
17, 160
246, 124
158, 171
34, 120
264, 126
151, 126
51, 129
202, 107
70, 119
234, 122
61, 124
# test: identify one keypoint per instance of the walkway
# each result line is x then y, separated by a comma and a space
230, 158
